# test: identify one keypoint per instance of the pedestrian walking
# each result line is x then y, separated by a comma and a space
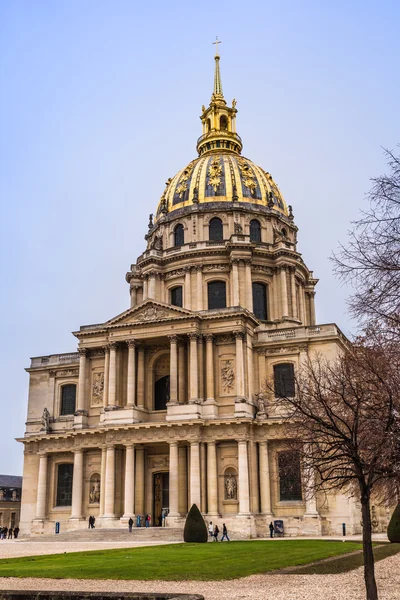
211, 529
10, 533
16, 532
90, 522
130, 524
147, 520
271, 529
216, 532
224, 533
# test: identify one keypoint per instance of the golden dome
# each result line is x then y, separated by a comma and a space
221, 177
220, 173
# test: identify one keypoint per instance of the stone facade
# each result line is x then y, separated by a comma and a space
10, 500
162, 405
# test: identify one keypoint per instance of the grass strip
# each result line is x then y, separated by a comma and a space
177, 562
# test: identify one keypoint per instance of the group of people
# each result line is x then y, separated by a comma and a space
92, 521
213, 532
6, 533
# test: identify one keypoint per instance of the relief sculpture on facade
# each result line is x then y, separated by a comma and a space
230, 487
94, 494
97, 389
227, 375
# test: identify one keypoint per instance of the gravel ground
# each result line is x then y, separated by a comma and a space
348, 586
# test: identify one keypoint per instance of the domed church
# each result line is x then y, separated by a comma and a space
162, 406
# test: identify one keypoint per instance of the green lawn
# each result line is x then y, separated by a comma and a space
177, 561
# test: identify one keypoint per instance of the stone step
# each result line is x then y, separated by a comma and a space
145, 534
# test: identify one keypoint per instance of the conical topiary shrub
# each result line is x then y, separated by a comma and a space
195, 528
393, 530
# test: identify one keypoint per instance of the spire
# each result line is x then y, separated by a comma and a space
217, 75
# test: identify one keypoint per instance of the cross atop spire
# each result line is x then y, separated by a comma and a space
217, 75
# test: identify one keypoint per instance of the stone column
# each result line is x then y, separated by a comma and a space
77, 485
131, 383
239, 335
195, 474
265, 486
81, 405
106, 375
302, 315
235, 282
173, 480
199, 283
145, 287
129, 500
173, 370
284, 294
312, 308
188, 288
140, 382
133, 291
203, 478
152, 285
293, 292
254, 487
194, 369
249, 286
309, 487
261, 369
244, 491
200, 357
212, 479
181, 374
112, 377
103, 478
110, 483
162, 286
209, 367
183, 481
139, 480
41, 500
250, 375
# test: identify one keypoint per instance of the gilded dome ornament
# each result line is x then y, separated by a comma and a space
214, 172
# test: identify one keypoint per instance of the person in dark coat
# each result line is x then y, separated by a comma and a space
224, 533
16, 532
10, 533
216, 532
271, 529
130, 524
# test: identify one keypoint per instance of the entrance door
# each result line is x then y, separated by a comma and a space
160, 495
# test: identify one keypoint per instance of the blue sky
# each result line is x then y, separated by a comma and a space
100, 104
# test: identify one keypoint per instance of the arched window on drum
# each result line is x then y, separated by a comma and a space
216, 230
255, 231
179, 235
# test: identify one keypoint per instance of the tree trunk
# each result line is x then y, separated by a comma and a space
369, 567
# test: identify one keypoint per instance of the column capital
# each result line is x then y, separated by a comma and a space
193, 335
173, 444
77, 450
131, 343
263, 443
113, 345
110, 446
187, 269
129, 445
195, 443
239, 334
106, 349
209, 337
199, 268
173, 338
247, 262
82, 351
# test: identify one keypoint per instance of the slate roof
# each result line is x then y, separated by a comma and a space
12, 481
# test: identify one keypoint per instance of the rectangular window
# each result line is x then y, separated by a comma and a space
284, 380
216, 294
64, 484
68, 399
289, 476
176, 296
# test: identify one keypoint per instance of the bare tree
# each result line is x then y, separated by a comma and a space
370, 260
344, 421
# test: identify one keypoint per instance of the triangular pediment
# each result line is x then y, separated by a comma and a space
149, 311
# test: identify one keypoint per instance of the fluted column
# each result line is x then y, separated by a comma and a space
302, 315
212, 479
103, 478
265, 486
293, 292
284, 293
199, 282
209, 367
250, 375
312, 308
235, 282
173, 370
194, 368
112, 377
195, 474
188, 288
129, 500
309, 486
140, 378
200, 358
239, 335
244, 491
110, 483
131, 383
81, 404
77, 485
181, 374
106, 375
139, 480
133, 291
173, 479
249, 286
41, 498
203, 478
